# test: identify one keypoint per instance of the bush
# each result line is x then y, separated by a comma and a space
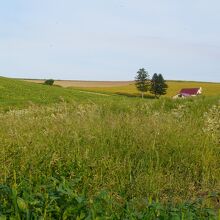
49, 82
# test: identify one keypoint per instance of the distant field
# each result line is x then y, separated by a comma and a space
128, 87
209, 89
79, 83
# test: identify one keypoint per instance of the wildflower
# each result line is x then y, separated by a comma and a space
212, 122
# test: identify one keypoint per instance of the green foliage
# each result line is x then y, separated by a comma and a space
58, 200
49, 82
158, 85
142, 81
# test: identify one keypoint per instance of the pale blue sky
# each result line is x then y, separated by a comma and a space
110, 39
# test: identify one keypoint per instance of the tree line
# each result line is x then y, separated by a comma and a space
156, 85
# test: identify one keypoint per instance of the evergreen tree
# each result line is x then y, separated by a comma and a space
163, 86
154, 84
158, 85
142, 81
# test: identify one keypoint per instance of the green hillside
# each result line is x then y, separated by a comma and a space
17, 93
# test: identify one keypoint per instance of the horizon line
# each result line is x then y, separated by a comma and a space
81, 80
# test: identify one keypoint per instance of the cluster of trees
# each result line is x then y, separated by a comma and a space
156, 85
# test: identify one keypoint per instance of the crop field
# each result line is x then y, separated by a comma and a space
70, 154
79, 83
128, 87
209, 89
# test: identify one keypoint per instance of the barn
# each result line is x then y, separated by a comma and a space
188, 92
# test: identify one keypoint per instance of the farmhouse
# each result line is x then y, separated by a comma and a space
188, 92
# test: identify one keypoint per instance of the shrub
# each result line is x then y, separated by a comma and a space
49, 82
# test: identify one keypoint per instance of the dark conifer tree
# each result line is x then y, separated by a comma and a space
158, 85
162, 85
154, 85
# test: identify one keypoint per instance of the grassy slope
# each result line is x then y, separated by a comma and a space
16, 93
66, 155
209, 89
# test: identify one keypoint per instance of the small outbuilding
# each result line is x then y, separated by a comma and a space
188, 92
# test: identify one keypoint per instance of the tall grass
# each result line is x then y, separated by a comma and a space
128, 159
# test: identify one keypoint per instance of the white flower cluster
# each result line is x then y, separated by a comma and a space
17, 112
212, 121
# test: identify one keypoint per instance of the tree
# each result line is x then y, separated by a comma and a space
158, 85
142, 81
49, 82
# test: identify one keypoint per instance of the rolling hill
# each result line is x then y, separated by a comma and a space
18, 93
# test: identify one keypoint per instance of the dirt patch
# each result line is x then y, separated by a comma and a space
79, 83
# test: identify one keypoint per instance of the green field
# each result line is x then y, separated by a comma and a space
69, 154
20, 94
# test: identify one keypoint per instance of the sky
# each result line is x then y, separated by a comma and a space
110, 39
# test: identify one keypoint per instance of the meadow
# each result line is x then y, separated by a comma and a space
68, 154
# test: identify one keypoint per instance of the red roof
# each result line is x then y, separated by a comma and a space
191, 91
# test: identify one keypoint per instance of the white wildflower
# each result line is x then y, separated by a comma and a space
212, 122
